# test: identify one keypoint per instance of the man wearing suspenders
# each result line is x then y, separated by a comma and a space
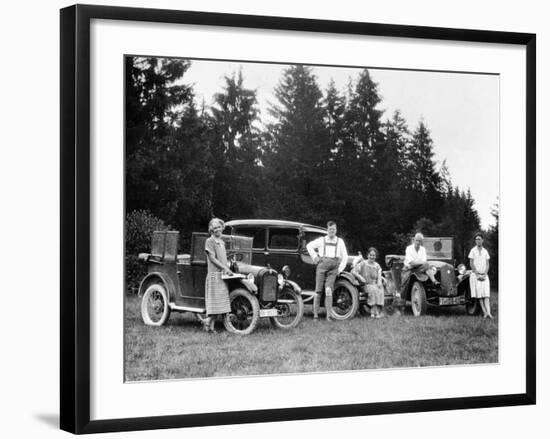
330, 254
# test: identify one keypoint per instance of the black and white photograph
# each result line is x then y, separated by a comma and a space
285, 218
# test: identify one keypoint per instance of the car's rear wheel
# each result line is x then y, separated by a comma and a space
345, 300
419, 303
291, 310
245, 312
155, 309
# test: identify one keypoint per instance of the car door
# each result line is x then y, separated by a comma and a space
306, 267
283, 248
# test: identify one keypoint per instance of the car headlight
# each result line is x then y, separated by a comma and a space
280, 280
251, 277
461, 269
286, 271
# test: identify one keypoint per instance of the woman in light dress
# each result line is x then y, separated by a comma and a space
480, 287
371, 272
216, 291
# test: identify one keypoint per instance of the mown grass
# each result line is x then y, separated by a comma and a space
181, 350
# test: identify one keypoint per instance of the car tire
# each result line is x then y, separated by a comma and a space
155, 308
345, 300
245, 312
419, 303
293, 313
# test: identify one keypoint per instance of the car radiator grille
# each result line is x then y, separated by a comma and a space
448, 281
269, 287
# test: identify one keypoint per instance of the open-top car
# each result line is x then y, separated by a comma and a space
177, 283
282, 245
452, 289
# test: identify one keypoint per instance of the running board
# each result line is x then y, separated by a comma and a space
174, 307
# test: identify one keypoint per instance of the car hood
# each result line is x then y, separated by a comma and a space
245, 268
440, 264
401, 258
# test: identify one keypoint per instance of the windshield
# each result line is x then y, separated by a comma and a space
439, 248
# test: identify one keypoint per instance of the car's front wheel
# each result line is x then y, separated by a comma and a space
291, 309
345, 300
419, 303
245, 312
155, 309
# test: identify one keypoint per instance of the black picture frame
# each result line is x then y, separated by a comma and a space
75, 217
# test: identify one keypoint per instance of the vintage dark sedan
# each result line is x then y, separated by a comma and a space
282, 245
177, 283
452, 289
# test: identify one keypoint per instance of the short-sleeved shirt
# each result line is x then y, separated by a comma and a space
216, 247
480, 258
369, 272
412, 255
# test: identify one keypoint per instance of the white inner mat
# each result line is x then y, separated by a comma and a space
112, 398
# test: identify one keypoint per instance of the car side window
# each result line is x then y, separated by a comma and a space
283, 239
257, 233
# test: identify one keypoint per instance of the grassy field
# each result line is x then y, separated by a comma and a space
181, 350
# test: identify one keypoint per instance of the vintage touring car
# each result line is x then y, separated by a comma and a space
177, 283
420, 292
282, 245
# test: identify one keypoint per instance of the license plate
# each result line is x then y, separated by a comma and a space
458, 300
270, 312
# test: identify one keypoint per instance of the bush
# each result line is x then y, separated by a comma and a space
139, 227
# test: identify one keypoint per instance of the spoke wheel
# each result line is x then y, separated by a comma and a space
155, 310
345, 300
245, 312
290, 314
419, 303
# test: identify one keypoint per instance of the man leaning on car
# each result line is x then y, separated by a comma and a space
416, 261
330, 254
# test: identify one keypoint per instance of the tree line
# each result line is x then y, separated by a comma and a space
324, 154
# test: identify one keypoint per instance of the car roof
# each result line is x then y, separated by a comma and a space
278, 223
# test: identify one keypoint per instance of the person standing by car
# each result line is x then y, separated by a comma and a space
216, 291
370, 273
331, 256
416, 261
479, 280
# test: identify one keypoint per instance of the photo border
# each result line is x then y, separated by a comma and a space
75, 217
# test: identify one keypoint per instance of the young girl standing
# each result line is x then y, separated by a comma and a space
217, 293
479, 280
371, 272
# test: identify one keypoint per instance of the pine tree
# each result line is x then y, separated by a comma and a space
298, 155
235, 148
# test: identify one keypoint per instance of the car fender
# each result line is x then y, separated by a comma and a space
407, 287
463, 285
249, 285
349, 277
163, 278
293, 285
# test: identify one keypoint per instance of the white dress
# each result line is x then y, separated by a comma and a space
479, 288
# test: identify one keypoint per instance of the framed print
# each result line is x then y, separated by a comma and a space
274, 218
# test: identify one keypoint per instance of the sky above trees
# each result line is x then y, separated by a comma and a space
460, 110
